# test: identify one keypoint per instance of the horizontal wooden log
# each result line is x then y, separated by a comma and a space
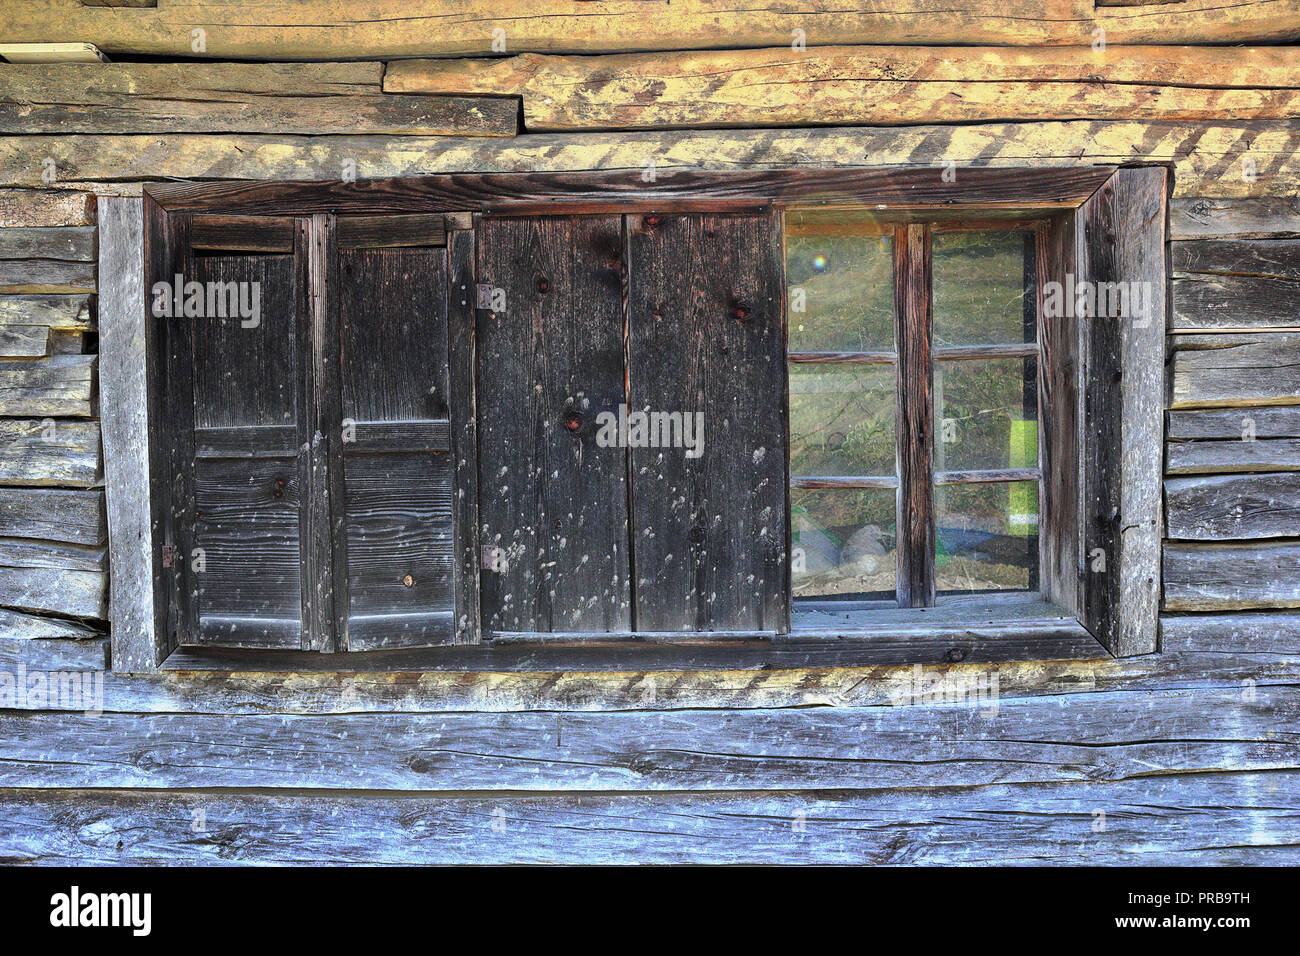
57, 385
29, 553
1232, 507
16, 626
49, 452
75, 593
355, 29
306, 98
53, 514
59, 52
24, 341
1223, 819
1229, 302
1230, 577
1256, 217
1202, 155
876, 85
1236, 424
45, 207
75, 244
46, 275
1237, 369
1223, 457
79, 653
52, 311
1094, 737
1273, 258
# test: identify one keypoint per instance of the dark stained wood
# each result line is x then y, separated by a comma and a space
1277, 258
226, 233
913, 188
837, 481
842, 358
915, 416
1228, 507
986, 476
386, 232
706, 335
461, 363
548, 366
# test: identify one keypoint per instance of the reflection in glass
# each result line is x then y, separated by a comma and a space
986, 537
842, 420
986, 414
841, 291
843, 543
980, 280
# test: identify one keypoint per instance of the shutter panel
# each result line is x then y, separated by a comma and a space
240, 511
706, 334
394, 449
551, 499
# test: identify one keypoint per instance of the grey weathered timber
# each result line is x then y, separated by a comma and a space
1199, 152
1227, 507
1236, 369
49, 452
52, 311
1078, 737
123, 382
1235, 283
46, 275
30, 553
1245, 218
16, 626
27, 208
306, 98
1120, 238
24, 341
55, 385
59, 590
54, 514
1201, 577
75, 650
69, 244
1209, 457
1238, 424
1185, 819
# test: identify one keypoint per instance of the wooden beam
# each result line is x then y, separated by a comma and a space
1223, 457
55, 385
1233, 507
358, 29
16, 626
1236, 370
72, 245
58, 590
1235, 424
45, 207
1205, 157
76, 517
1257, 217
51, 53
49, 452
875, 85
46, 275
1206, 577
1235, 283
305, 98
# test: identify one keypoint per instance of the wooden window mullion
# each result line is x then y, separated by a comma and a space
913, 333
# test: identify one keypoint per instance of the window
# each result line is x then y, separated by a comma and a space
948, 436
572, 421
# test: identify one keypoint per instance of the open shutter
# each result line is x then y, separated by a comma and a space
394, 555
706, 337
234, 391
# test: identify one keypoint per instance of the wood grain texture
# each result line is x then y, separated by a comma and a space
16, 626
45, 207
46, 452
1238, 369
877, 85
1206, 158
75, 244
1224, 577
1235, 284
1235, 424
913, 333
462, 397
28, 553
55, 514
352, 29
1256, 217
1233, 507
46, 275
71, 312
24, 341
59, 590
303, 98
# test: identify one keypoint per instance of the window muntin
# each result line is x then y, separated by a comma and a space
848, 491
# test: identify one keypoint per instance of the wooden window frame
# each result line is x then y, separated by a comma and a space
1104, 224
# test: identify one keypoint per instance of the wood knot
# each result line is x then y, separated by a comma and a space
409, 581
696, 535
739, 311
543, 285
573, 421
955, 655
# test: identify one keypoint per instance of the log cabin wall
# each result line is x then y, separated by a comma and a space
1186, 756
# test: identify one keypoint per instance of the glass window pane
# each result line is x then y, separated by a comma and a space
986, 414
986, 537
842, 419
841, 290
979, 288
843, 543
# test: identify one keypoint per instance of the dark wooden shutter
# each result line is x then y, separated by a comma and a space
706, 332
239, 474
393, 446
553, 504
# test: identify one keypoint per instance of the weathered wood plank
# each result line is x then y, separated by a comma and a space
56, 385
51, 52
1228, 507
1089, 737
354, 29
46, 275
1223, 457
72, 244
61, 591
1230, 577
306, 98
1199, 153
45, 207
1226, 283
30, 553
15, 626
1237, 369
463, 412
1239, 424
49, 452
1255, 217
54, 514
73, 312
877, 85
24, 341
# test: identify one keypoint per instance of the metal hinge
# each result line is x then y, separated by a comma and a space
493, 558
485, 295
